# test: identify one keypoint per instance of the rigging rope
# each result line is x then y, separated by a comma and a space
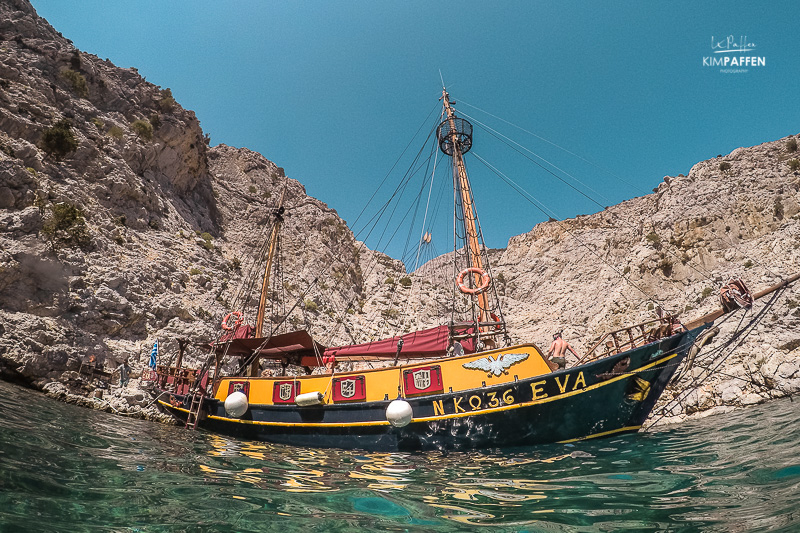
506, 141
712, 356
536, 203
713, 197
607, 171
363, 210
521, 150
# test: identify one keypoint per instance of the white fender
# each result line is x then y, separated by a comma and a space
399, 413
309, 398
236, 404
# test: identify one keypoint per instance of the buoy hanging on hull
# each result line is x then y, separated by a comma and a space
236, 404
399, 413
309, 398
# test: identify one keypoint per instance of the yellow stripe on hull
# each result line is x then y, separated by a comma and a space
626, 429
454, 415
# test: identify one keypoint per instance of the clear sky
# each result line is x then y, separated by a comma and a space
333, 91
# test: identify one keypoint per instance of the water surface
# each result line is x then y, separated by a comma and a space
66, 468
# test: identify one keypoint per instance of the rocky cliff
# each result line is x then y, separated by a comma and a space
119, 225
734, 215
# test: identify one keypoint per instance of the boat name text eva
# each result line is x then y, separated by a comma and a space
546, 388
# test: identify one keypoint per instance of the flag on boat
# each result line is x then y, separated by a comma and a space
153, 354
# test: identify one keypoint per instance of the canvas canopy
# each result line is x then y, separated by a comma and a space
295, 343
431, 342
299, 347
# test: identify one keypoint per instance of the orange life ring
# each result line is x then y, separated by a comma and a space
238, 320
496, 318
485, 279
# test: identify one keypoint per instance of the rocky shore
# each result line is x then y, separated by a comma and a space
120, 225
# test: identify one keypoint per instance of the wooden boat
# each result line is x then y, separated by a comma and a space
456, 386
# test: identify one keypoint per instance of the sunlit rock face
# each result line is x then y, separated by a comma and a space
119, 225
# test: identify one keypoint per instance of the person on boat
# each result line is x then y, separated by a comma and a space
558, 349
455, 349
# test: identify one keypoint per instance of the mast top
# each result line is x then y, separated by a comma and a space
453, 133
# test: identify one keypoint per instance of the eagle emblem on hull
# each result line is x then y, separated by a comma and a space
496, 366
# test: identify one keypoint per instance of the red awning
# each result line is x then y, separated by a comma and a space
295, 343
426, 343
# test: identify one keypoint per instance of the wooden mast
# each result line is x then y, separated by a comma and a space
470, 221
262, 303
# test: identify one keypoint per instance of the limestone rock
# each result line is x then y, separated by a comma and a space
171, 228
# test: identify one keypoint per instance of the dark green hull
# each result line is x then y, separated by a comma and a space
611, 396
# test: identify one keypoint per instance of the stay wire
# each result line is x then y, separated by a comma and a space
714, 198
712, 355
517, 147
538, 205
397, 194
514, 146
591, 163
399, 158
522, 151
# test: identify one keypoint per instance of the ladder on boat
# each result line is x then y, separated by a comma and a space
198, 395
194, 410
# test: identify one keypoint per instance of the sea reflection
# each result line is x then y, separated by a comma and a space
462, 491
63, 468
307, 470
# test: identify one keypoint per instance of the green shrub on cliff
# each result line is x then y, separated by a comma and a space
167, 102
155, 120
116, 132
59, 140
143, 128
208, 240
77, 81
66, 224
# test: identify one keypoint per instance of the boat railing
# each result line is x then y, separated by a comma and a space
631, 337
466, 330
177, 380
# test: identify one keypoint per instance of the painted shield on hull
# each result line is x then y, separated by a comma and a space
422, 379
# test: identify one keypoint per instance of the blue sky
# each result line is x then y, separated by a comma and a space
334, 90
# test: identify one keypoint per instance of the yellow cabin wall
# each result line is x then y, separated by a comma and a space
383, 381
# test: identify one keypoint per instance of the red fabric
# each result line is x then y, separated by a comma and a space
297, 343
240, 332
425, 343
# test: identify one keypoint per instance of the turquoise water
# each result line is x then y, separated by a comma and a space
66, 468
